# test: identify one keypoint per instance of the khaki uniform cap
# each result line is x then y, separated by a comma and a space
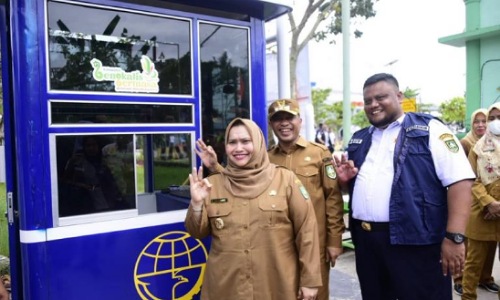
287, 105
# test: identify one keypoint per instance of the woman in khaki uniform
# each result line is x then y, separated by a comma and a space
264, 233
483, 229
486, 281
478, 119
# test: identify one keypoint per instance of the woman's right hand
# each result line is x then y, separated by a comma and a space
207, 155
200, 188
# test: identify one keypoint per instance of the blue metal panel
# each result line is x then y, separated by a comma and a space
14, 254
161, 261
117, 265
261, 9
258, 44
32, 165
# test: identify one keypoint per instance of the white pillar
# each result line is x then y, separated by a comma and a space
346, 34
283, 45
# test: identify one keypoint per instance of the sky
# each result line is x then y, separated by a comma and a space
401, 39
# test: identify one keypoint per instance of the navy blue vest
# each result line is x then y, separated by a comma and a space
418, 209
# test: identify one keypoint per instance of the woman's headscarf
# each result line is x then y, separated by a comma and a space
488, 154
471, 138
251, 180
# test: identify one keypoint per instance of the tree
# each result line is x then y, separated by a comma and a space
320, 107
332, 114
329, 114
411, 93
453, 111
316, 13
360, 119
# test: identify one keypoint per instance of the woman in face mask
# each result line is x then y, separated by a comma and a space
482, 230
486, 281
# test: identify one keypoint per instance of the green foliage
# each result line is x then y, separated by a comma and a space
411, 93
453, 111
4, 236
321, 19
329, 114
332, 12
332, 114
320, 107
360, 119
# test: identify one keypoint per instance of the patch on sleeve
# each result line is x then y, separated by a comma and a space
449, 140
330, 171
302, 189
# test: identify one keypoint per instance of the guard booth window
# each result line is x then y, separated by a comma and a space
225, 86
108, 173
117, 51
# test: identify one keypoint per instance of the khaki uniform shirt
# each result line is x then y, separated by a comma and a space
312, 163
263, 248
478, 228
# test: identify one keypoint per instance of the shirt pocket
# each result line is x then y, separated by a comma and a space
219, 216
273, 212
309, 176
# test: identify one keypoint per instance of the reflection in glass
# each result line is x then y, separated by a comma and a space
224, 54
105, 173
96, 174
118, 40
170, 159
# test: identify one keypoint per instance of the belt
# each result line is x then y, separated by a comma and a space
371, 226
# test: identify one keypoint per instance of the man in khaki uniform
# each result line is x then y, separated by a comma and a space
312, 163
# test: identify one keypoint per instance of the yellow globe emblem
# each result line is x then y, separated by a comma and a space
170, 267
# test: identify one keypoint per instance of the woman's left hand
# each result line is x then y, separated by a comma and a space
306, 293
199, 187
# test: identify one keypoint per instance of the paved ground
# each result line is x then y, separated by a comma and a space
344, 282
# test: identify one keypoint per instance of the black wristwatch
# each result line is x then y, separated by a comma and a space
457, 238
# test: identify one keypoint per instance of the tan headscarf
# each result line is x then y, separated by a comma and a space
488, 154
471, 138
252, 179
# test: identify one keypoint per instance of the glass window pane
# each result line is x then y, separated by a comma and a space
117, 51
224, 54
169, 163
96, 174
103, 173
98, 113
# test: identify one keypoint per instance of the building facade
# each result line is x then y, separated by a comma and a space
481, 40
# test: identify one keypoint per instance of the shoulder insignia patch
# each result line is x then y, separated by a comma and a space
449, 140
330, 172
302, 189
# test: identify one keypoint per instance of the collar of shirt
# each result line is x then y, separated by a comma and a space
300, 143
372, 189
398, 122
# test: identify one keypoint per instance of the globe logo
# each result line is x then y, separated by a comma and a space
170, 267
